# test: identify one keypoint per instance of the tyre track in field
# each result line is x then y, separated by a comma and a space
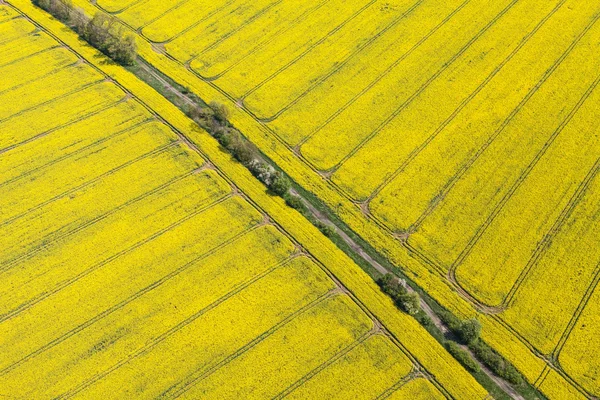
140, 293
90, 182
500, 206
315, 371
141, 28
3, 42
547, 239
450, 274
52, 238
463, 104
15, 312
39, 78
254, 17
425, 85
396, 386
295, 23
577, 314
194, 24
338, 66
119, 11
187, 383
77, 152
86, 114
165, 335
450, 184
16, 60
50, 101
300, 56
384, 73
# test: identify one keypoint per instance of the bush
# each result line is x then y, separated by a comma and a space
199, 114
294, 202
109, 36
469, 331
327, 230
453, 322
221, 112
424, 319
280, 185
462, 356
103, 32
79, 21
496, 362
391, 285
409, 303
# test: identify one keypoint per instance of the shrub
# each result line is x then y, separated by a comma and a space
264, 172
280, 185
196, 112
450, 320
103, 32
61, 9
462, 356
424, 320
409, 303
496, 362
469, 331
294, 202
327, 230
79, 21
221, 112
391, 285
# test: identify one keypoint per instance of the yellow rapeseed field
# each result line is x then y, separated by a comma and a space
459, 138
134, 264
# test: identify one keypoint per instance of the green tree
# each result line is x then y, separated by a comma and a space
280, 185
469, 331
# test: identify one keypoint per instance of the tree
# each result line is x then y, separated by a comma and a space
124, 49
97, 32
462, 356
221, 112
409, 303
280, 185
469, 331
79, 21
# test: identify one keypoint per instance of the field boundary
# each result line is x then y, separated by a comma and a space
292, 222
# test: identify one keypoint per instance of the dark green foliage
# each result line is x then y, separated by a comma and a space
238, 146
110, 37
58, 8
280, 185
408, 302
462, 356
496, 362
102, 31
294, 202
424, 320
469, 331
450, 320
327, 230
221, 112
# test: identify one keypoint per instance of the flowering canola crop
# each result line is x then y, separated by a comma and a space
131, 267
457, 137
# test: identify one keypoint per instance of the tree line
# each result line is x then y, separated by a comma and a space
466, 332
102, 31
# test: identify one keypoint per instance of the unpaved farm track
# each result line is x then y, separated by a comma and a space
504, 385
